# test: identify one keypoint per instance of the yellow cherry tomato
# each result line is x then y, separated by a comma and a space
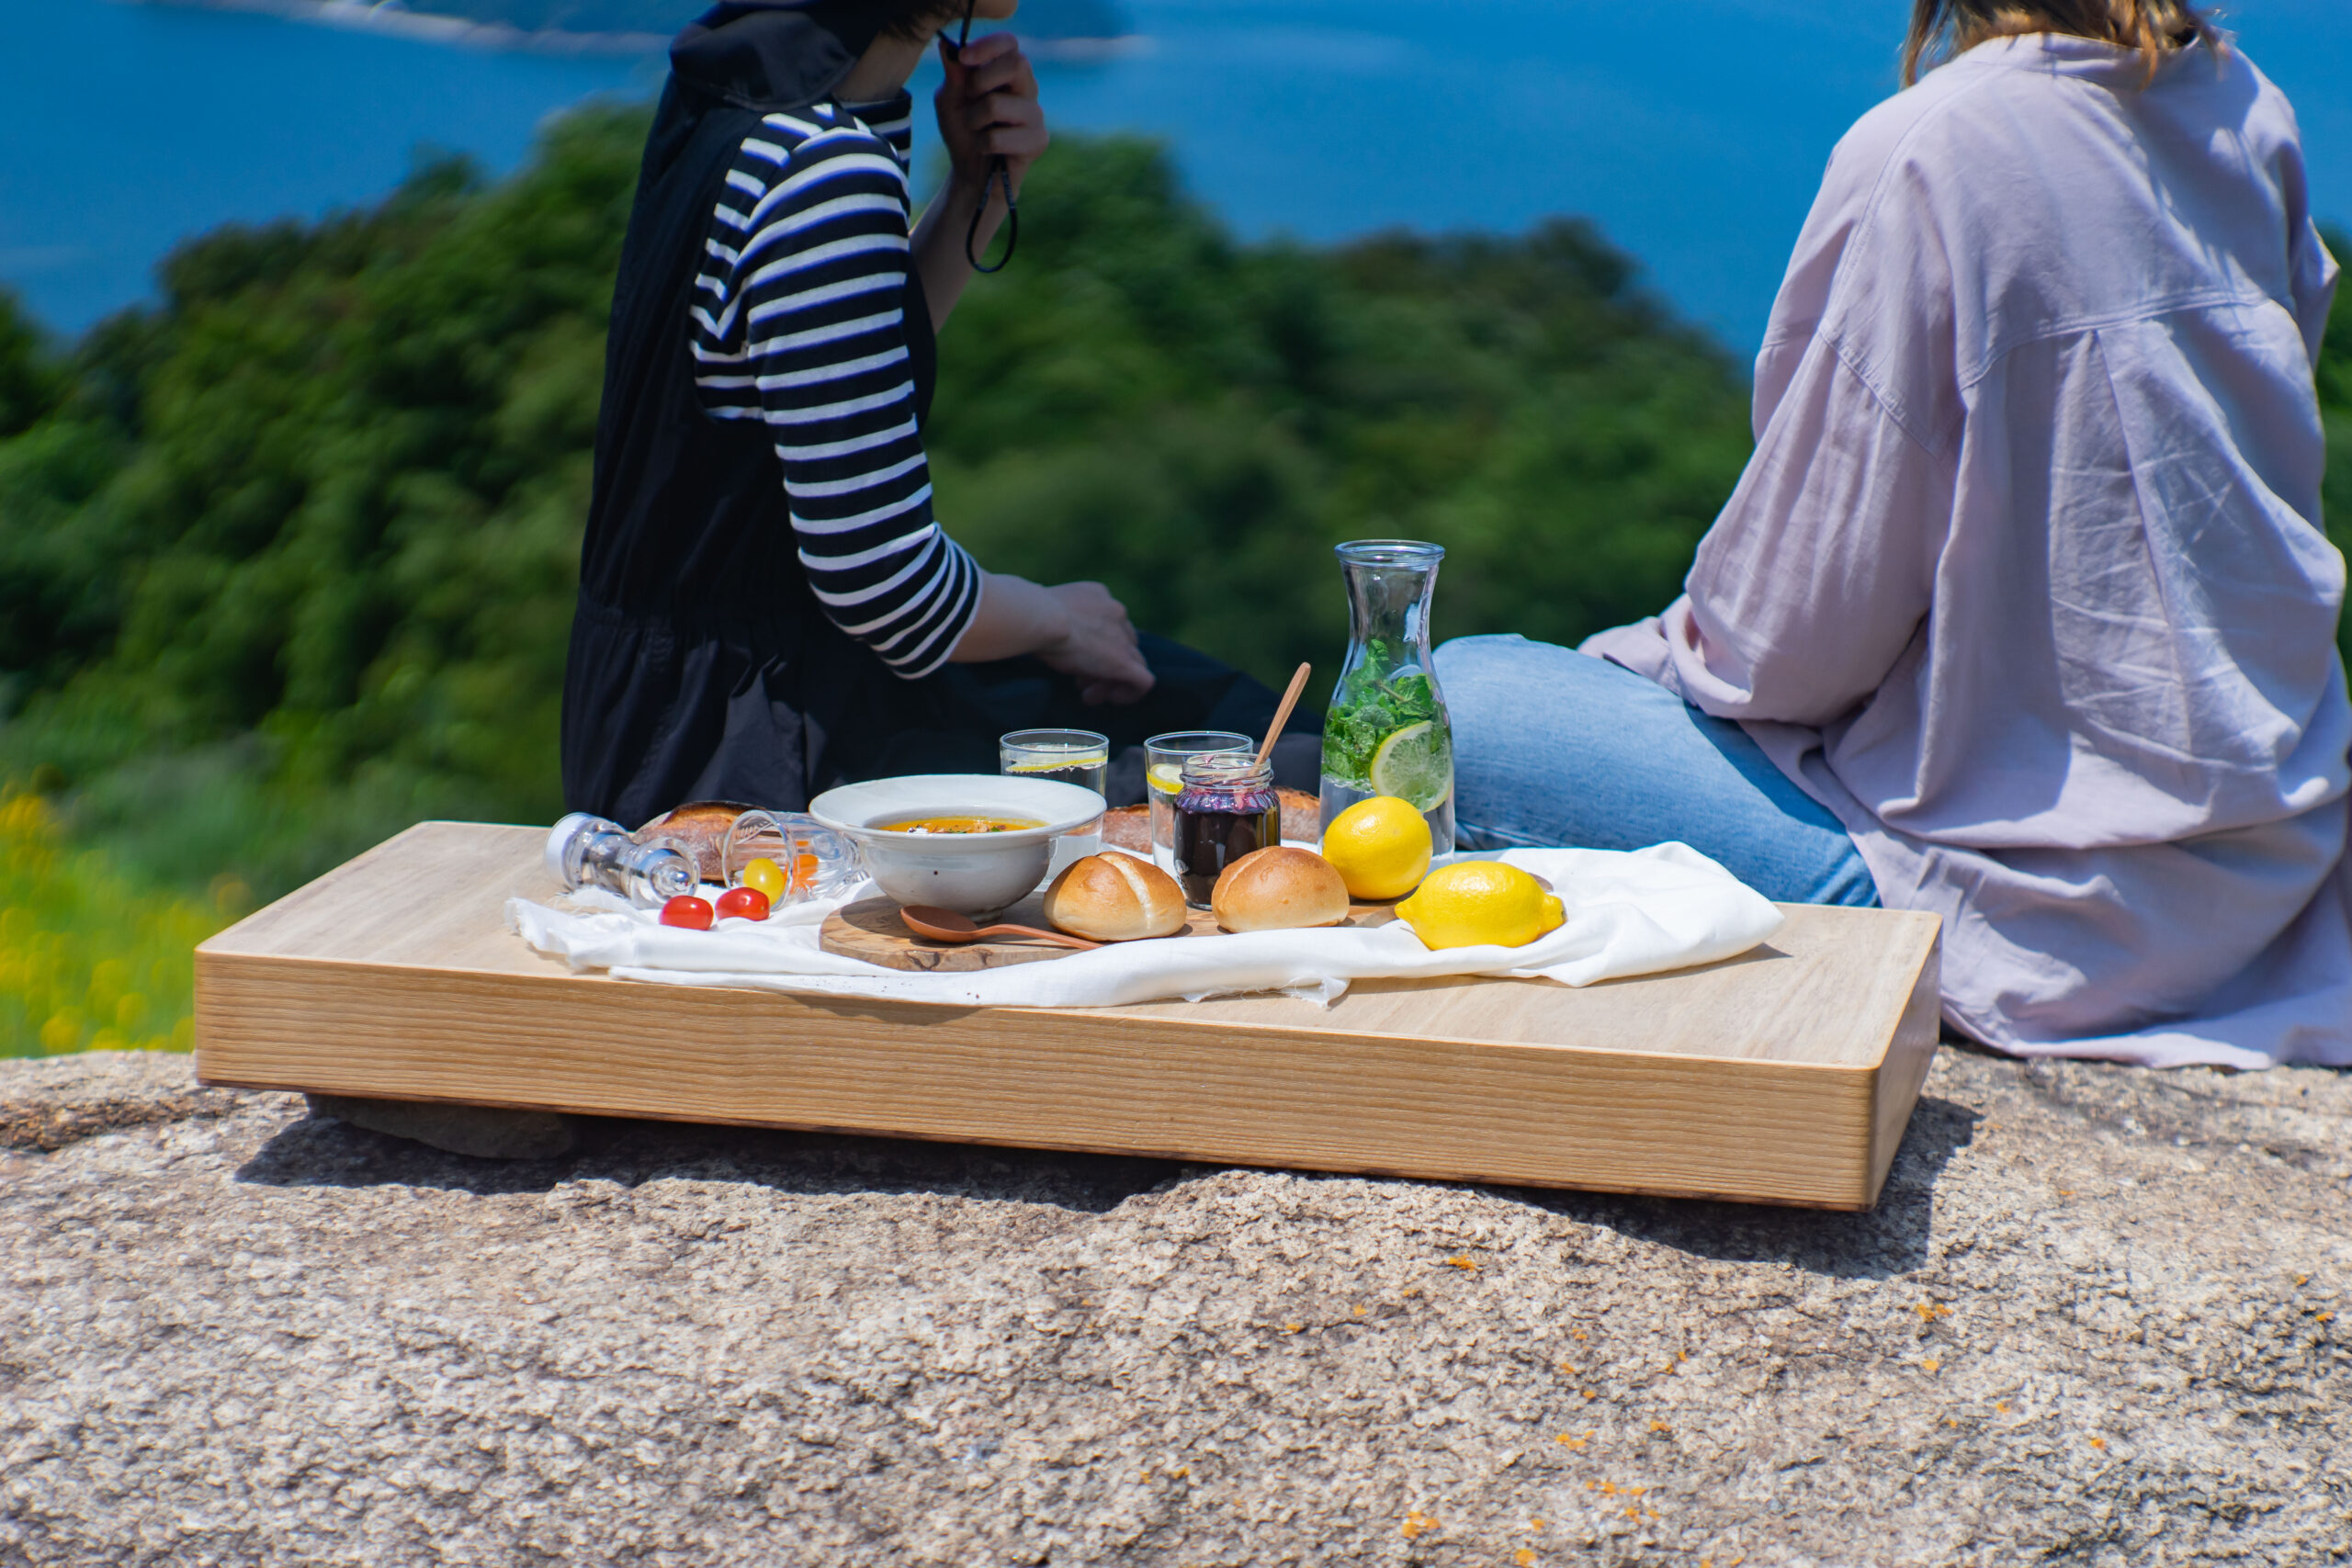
766, 876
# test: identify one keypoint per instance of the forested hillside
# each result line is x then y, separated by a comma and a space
287, 562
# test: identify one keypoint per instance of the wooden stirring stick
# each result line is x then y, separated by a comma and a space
1282, 714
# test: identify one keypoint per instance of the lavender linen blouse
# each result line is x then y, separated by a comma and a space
2026, 580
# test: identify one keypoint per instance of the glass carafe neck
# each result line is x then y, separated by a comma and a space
1389, 585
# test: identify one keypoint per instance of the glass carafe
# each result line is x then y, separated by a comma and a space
1387, 732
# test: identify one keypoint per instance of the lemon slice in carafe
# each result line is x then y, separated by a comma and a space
1416, 765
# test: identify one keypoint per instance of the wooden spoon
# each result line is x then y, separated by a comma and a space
946, 925
1282, 714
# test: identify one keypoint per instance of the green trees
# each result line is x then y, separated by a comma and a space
28, 380
1198, 423
287, 562
290, 562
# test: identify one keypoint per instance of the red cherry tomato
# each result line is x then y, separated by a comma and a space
743, 904
688, 911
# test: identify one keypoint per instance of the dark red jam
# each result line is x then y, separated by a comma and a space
1217, 824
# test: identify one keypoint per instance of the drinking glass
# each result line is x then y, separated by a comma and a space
1164, 757
817, 863
1066, 756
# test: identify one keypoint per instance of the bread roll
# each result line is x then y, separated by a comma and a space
1128, 827
1279, 888
1302, 815
1114, 897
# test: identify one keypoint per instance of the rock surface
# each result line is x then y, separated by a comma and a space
2094, 1320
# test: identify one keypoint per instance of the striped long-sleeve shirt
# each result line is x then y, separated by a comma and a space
800, 323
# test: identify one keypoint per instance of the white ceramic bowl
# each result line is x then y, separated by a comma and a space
979, 874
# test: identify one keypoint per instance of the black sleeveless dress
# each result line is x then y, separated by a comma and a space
701, 666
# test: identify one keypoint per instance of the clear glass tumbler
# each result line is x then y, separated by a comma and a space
817, 863
1065, 756
1164, 758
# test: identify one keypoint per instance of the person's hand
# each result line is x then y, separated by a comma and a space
988, 109
1099, 650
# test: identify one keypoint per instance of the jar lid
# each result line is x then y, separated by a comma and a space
1232, 770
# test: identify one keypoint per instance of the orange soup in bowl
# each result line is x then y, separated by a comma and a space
960, 825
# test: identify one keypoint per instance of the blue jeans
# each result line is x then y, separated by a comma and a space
1553, 748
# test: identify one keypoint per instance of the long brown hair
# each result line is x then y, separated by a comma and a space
1943, 29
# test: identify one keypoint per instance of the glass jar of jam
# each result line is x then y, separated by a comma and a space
1228, 808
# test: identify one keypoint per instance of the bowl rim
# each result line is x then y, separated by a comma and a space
830, 816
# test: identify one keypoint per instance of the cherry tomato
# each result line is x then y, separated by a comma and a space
687, 910
766, 876
742, 904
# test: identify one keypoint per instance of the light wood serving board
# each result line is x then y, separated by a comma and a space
1785, 1076
871, 930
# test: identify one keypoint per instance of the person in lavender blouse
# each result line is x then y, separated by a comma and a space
2022, 613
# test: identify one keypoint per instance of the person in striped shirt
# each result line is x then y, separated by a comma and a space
800, 327
768, 604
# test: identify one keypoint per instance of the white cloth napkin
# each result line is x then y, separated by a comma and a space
1664, 907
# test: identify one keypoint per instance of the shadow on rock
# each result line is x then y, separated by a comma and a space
325, 1151
1889, 1240
322, 1151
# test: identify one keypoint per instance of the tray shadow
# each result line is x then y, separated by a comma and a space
319, 1151
1890, 1240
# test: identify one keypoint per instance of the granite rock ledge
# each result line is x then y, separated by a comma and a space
2097, 1318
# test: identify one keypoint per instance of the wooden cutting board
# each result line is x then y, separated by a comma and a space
872, 931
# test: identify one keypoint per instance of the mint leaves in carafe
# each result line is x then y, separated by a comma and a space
1387, 732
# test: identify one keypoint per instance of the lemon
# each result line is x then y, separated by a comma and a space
1416, 765
1168, 778
1381, 847
1480, 903
1055, 764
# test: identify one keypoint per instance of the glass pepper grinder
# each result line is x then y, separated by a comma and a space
1226, 809
589, 851
1386, 731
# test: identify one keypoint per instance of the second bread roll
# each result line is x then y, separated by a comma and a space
1279, 888
1114, 897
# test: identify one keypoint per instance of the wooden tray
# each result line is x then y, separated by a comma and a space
871, 930
1785, 1075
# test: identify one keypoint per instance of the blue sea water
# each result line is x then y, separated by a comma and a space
1693, 130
